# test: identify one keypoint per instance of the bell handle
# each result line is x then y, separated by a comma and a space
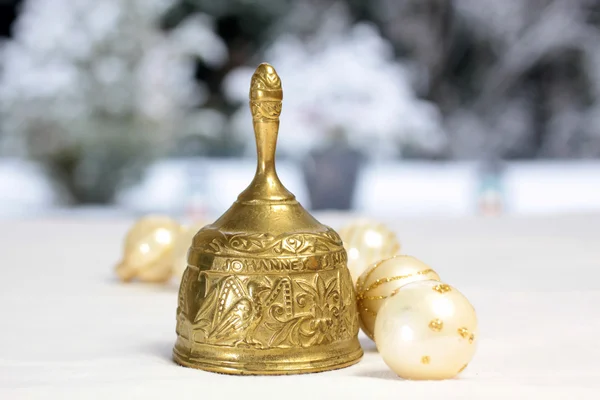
266, 98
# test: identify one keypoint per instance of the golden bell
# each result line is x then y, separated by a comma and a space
266, 289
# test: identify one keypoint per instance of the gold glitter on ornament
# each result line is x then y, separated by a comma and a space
463, 332
442, 288
462, 369
381, 281
425, 360
436, 325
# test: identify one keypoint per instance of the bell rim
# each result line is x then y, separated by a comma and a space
283, 367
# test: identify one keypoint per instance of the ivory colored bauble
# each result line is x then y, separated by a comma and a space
182, 245
380, 281
148, 248
427, 330
366, 242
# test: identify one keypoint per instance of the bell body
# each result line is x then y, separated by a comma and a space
267, 289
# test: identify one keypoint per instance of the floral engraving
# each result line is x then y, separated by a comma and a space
275, 311
265, 110
263, 80
215, 242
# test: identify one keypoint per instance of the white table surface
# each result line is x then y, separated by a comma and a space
70, 330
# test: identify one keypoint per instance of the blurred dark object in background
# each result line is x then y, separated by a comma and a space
8, 14
331, 173
491, 190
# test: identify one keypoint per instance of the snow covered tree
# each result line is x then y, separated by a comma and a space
93, 88
342, 77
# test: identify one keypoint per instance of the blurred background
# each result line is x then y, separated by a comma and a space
391, 107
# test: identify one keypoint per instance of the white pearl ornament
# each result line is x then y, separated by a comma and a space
426, 330
381, 280
148, 248
366, 242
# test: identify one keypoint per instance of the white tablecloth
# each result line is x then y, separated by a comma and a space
70, 330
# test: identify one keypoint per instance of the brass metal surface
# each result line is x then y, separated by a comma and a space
267, 289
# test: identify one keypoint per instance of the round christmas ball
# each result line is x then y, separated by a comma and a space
147, 251
366, 242
381, 280
426, 330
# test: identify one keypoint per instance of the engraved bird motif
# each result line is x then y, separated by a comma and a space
236, 320
256, 291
